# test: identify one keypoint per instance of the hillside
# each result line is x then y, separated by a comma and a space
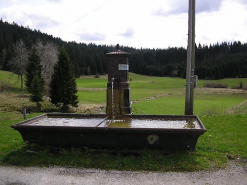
217, 61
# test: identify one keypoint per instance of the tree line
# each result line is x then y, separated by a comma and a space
225, 60
216, 61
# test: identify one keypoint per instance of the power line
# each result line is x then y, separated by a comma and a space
85, 15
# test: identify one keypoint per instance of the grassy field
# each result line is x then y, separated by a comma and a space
164, 95
222, 111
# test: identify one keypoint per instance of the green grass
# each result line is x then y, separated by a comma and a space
10, 140
224, 140
165, 105
87, 158
92, 96
9, 82
92, 82
175, 104
217, 104
161, 95
231, 82
164, 95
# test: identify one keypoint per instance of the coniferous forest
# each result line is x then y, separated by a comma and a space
216, 61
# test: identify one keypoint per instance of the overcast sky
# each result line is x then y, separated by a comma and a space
136, 23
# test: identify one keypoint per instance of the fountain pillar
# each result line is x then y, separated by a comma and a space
118, 91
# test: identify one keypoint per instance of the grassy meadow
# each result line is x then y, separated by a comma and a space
164, 95
223, 112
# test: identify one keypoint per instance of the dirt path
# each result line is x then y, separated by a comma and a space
233, 174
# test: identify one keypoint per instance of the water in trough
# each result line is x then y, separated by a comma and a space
119, 123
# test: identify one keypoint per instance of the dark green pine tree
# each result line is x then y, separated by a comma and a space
63, 87
34, 80
37, 89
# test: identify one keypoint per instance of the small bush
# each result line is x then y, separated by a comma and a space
211, 111
215, 85
235, 87
4, 86
97, 75
47, 106
244, 87
240, 86
16, 107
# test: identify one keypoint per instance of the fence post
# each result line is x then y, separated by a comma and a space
25, 113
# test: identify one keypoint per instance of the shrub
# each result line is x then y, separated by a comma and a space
4, 86
240, 86
235, 87
97, 75
244, 87
215, 85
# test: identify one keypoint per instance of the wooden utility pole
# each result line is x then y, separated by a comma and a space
190, 60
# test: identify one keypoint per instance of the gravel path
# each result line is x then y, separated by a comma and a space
232, 175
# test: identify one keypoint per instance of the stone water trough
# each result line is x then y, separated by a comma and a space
118, 128
126, 132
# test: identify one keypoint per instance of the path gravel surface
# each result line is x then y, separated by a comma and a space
233, 175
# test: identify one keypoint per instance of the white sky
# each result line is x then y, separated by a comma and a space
136, 23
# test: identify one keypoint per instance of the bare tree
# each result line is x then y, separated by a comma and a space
48, 55
18, 63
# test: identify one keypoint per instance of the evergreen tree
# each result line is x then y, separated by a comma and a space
37, 89
34, 80
63, 87
33, 66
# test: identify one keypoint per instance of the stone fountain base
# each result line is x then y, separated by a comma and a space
126, 132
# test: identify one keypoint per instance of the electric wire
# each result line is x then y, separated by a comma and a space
84, 16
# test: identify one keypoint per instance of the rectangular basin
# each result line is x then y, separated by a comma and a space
164, 132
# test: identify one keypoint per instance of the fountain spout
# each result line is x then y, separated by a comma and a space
112, 96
